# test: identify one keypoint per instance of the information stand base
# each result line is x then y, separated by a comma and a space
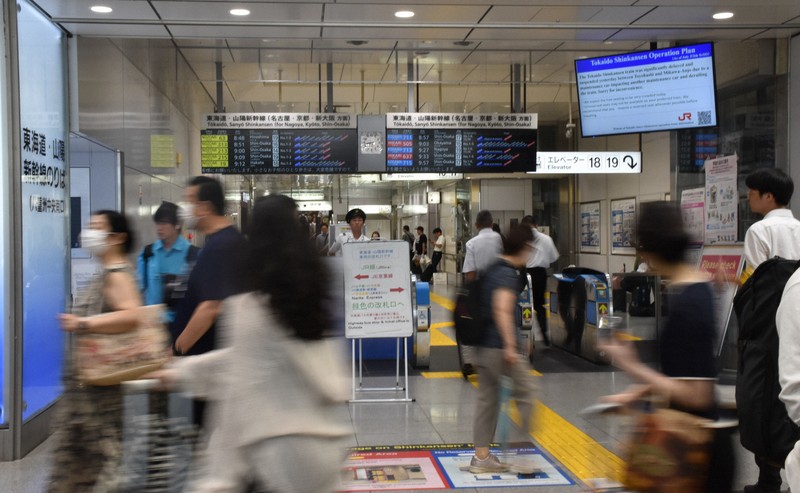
359, 388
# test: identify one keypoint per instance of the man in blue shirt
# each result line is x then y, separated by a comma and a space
161, 261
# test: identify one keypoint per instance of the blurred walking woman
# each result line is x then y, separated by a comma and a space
276, 380
688, 363
88, 448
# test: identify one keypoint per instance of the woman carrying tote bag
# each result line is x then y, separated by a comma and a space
88, 438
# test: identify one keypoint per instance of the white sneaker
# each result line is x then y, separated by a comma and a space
489, 464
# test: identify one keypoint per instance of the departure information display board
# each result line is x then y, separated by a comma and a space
460, 143
294, 143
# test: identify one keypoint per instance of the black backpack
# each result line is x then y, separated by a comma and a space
467, 314
764, 426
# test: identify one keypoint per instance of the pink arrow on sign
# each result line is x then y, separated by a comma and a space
396, 290
362, 276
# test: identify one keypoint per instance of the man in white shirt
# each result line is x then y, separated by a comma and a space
438, 248
544, 253
355, 219
769, 190
482, 251
778, 234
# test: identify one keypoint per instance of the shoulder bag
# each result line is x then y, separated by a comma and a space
110, 359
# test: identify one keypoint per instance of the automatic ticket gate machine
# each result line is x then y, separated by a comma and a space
421, 354
525, 319
578, 298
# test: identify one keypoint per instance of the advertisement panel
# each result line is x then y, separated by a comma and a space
42, 95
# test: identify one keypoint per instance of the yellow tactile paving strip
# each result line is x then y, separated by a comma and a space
445, 303
439, 338
577, 451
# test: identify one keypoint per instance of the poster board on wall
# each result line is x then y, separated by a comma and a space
623, 225
693, 209
721, 200
590, 227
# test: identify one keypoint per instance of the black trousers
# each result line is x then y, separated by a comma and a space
437, 257
538, 287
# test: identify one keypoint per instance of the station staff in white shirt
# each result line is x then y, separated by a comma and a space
355, 219
482, 251
544, 253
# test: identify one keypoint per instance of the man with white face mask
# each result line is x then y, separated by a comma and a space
214, 276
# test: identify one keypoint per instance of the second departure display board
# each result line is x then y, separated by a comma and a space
460, 143
292, 143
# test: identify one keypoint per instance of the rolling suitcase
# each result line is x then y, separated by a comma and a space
160, 439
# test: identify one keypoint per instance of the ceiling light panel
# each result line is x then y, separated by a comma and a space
61, 9
702, 15
117, 30
398, 33
598, 35
262, 11
252, 32
339, 12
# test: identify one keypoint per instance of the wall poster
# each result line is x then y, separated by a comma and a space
693, 207
590, 227
623, 225
722, 200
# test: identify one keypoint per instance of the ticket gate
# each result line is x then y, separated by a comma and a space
421, 354
525, 319
578, 298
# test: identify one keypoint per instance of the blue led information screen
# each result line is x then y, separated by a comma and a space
647, 91
460, 150
284, 150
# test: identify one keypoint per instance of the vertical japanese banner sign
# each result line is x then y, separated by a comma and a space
722, 200
693, 208
377, 293
590, 227
45, 252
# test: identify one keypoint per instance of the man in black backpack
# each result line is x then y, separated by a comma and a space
788, 324
769, 191
162, 261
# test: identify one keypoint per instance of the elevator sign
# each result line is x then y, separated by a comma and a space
588, 162
377, 290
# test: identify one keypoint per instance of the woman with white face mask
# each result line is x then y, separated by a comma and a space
88, 445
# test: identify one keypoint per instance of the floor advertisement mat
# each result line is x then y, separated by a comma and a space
438, 467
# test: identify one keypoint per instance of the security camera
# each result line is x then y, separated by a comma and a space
570, 128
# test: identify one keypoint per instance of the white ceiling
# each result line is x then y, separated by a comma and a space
468, 45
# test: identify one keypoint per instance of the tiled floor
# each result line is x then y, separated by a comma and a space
442, 413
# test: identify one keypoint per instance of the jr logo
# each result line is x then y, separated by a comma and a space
685, 116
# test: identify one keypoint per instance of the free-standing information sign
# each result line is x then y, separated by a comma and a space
724, 263
377, 287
